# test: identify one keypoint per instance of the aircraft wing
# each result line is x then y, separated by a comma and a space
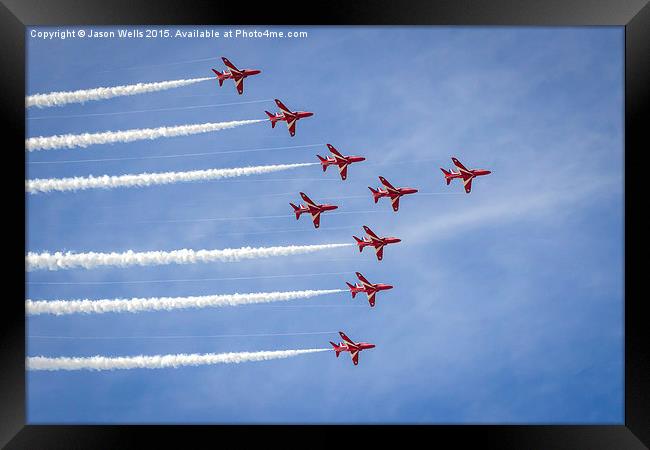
363, 279
346, 339
239, 82
230, 65
334, 151
385, 182
459, 164
370, 232
371, 298
316, 218
291, 124
343, 170
355, 357
282, 107
468, 184
307, 199
395, 201
380, 252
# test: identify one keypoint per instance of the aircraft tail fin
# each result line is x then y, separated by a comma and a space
322, 162
352, 291
447, 175
375, 194
296, 210
271, 118
337, 349
219, 76
359, 243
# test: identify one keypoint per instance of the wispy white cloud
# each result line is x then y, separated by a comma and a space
526, 205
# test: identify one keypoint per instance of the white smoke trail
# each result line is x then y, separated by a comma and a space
110, 137
64, 307
39, 185
103, 93
91, 260
138, 111
158, 361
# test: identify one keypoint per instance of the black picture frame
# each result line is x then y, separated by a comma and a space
634, 15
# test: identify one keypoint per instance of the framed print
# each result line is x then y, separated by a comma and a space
388, 217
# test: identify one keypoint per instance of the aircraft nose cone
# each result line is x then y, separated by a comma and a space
388, 286
371, 345
398, 240
309, 114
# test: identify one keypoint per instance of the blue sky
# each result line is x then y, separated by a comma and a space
508, 302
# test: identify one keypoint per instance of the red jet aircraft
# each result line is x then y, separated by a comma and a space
375, 241
291, 117
339, 160
311, 208
466, 174
353, 347
367, 287
392, 192
236, 74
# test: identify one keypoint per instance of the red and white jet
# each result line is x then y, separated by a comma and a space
311, 208
392, 192
236, 74
375, 241
291, 117
349, 346
339, 160
467, 175
367, 287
